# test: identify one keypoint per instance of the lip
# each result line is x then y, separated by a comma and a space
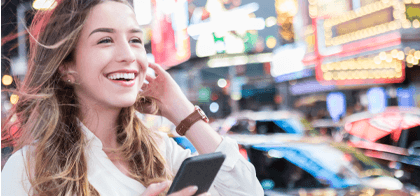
123, 83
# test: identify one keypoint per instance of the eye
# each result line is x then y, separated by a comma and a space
136, 40
105, 40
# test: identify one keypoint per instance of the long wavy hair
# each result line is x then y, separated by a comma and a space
47, 113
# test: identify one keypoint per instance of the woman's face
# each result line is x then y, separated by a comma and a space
110, 58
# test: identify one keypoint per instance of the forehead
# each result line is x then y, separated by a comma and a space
111, 14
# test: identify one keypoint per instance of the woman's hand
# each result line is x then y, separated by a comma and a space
157, 188
171, 101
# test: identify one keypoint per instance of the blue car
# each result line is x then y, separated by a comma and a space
286, 165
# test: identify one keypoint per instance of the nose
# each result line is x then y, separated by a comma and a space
124, 53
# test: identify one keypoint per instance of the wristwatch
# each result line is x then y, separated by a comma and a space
185, 124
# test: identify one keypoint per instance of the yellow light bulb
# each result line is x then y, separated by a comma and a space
398, 68
350, 75
328, 76
377, 60
388, 74
324, 68
406, 24
400, 55
409, 58
415, 62
417, 54
335, 75
416, 23
394, 53
382, 56
340, 76
384, 74
377, 74
412, 51
365, 74
370, 74
388, 58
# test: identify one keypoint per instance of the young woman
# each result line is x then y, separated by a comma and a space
78, 133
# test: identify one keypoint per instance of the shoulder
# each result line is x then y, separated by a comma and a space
162, 139
161, 136
15, 174
17, 158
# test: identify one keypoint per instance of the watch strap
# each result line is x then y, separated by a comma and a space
185, 124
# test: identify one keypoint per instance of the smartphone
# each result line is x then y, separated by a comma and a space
198, 170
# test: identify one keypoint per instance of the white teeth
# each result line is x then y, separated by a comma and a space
125, 76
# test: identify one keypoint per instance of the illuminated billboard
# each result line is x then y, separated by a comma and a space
386, 67
170, 41
231, 27
368, 44
329, 8
368, 21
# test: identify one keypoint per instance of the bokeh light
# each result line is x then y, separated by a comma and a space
14, 98
44, 4
7, 80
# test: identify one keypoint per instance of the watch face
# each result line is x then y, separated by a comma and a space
203, 115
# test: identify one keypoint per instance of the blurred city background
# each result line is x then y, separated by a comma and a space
322, 96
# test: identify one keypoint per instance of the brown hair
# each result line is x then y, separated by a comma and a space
47, 113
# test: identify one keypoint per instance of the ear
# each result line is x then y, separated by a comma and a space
67, 71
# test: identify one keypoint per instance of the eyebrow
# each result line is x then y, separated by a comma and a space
110, 30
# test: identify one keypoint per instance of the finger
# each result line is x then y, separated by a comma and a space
144, 89
150, 78
156, 67
144, 86
205, 194
185, 191
155, 188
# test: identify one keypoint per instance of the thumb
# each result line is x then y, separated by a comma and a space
155, 188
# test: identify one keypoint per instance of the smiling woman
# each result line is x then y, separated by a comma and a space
77, 128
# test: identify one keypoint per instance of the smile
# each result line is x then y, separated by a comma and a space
126, 79
121, 76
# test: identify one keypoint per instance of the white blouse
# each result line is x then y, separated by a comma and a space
236, 176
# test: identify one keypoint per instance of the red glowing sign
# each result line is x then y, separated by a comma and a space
170, 41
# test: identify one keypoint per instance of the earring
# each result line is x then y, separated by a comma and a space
69, 81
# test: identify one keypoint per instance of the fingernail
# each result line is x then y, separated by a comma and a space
193, 189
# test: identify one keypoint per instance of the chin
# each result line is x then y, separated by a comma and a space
123, 103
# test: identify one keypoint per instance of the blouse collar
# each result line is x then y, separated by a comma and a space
99, 162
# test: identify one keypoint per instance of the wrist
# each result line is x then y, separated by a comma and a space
190, 120
180, 112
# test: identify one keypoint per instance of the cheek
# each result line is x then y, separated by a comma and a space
143, 63
92, 61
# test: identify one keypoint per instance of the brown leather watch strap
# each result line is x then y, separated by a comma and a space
185, 124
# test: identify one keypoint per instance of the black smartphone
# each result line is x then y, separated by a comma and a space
198, 170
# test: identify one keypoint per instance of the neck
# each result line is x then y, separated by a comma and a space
102, 122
